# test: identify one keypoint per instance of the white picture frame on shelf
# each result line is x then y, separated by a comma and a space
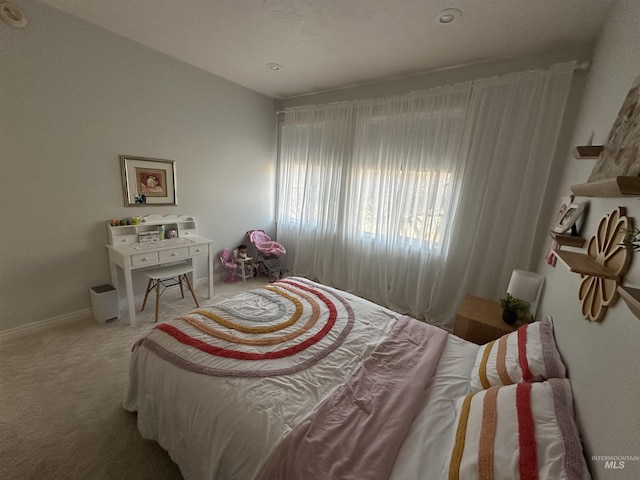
570, 217
550, 257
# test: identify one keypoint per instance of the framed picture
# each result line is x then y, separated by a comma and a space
568, 220
565, 204
148, 181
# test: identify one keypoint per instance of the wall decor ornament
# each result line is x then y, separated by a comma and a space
148, 181
606, 247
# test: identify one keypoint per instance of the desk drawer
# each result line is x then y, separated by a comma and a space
125, 240
198, 250
141, 259
173, 254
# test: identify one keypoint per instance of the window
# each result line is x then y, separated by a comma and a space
373, 175
406, 178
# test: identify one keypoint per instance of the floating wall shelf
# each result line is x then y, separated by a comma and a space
567, 240
610, 187
588, 151
585, 265
631, 297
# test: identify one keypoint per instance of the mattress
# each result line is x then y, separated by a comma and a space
224, 388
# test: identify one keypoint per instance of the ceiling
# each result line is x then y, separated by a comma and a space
327, 44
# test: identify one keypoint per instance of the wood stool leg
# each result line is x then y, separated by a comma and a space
157, 298
146, 294
180, 282
186, 277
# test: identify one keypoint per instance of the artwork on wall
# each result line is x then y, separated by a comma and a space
148, 181
621, 154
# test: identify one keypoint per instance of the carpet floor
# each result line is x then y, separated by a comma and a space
61, 392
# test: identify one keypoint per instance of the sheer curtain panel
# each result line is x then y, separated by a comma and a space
367, 190
512, 129
398, 199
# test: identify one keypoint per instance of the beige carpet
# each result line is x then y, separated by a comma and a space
61, 393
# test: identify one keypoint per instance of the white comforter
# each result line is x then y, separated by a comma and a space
226, 427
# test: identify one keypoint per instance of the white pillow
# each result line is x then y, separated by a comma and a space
527, 355
520, 431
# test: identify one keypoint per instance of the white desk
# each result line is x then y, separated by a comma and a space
125, 251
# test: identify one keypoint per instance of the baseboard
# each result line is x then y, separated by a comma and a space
204, 282
84, 314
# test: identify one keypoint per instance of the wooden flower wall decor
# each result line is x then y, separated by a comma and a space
598, 291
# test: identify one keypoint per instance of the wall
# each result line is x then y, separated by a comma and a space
73, 98
602, 357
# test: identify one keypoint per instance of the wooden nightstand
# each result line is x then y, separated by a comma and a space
480, 320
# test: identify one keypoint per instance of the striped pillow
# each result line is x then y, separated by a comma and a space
523, 431
527, 355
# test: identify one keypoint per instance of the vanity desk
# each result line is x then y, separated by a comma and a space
133, 247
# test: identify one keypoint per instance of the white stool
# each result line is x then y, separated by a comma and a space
175, 273
241, 269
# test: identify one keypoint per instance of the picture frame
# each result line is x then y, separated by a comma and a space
148, 181
550, 256
568, 220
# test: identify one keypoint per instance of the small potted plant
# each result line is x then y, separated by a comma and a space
631, 238
512, 308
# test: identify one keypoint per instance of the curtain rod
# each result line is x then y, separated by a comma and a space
583, 66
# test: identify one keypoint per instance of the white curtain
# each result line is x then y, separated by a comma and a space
413, 201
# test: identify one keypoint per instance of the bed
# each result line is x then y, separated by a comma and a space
299, 380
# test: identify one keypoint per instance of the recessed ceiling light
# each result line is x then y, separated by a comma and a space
274, 66
447, 16
12, 15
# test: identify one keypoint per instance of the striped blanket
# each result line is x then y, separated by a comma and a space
350, 375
